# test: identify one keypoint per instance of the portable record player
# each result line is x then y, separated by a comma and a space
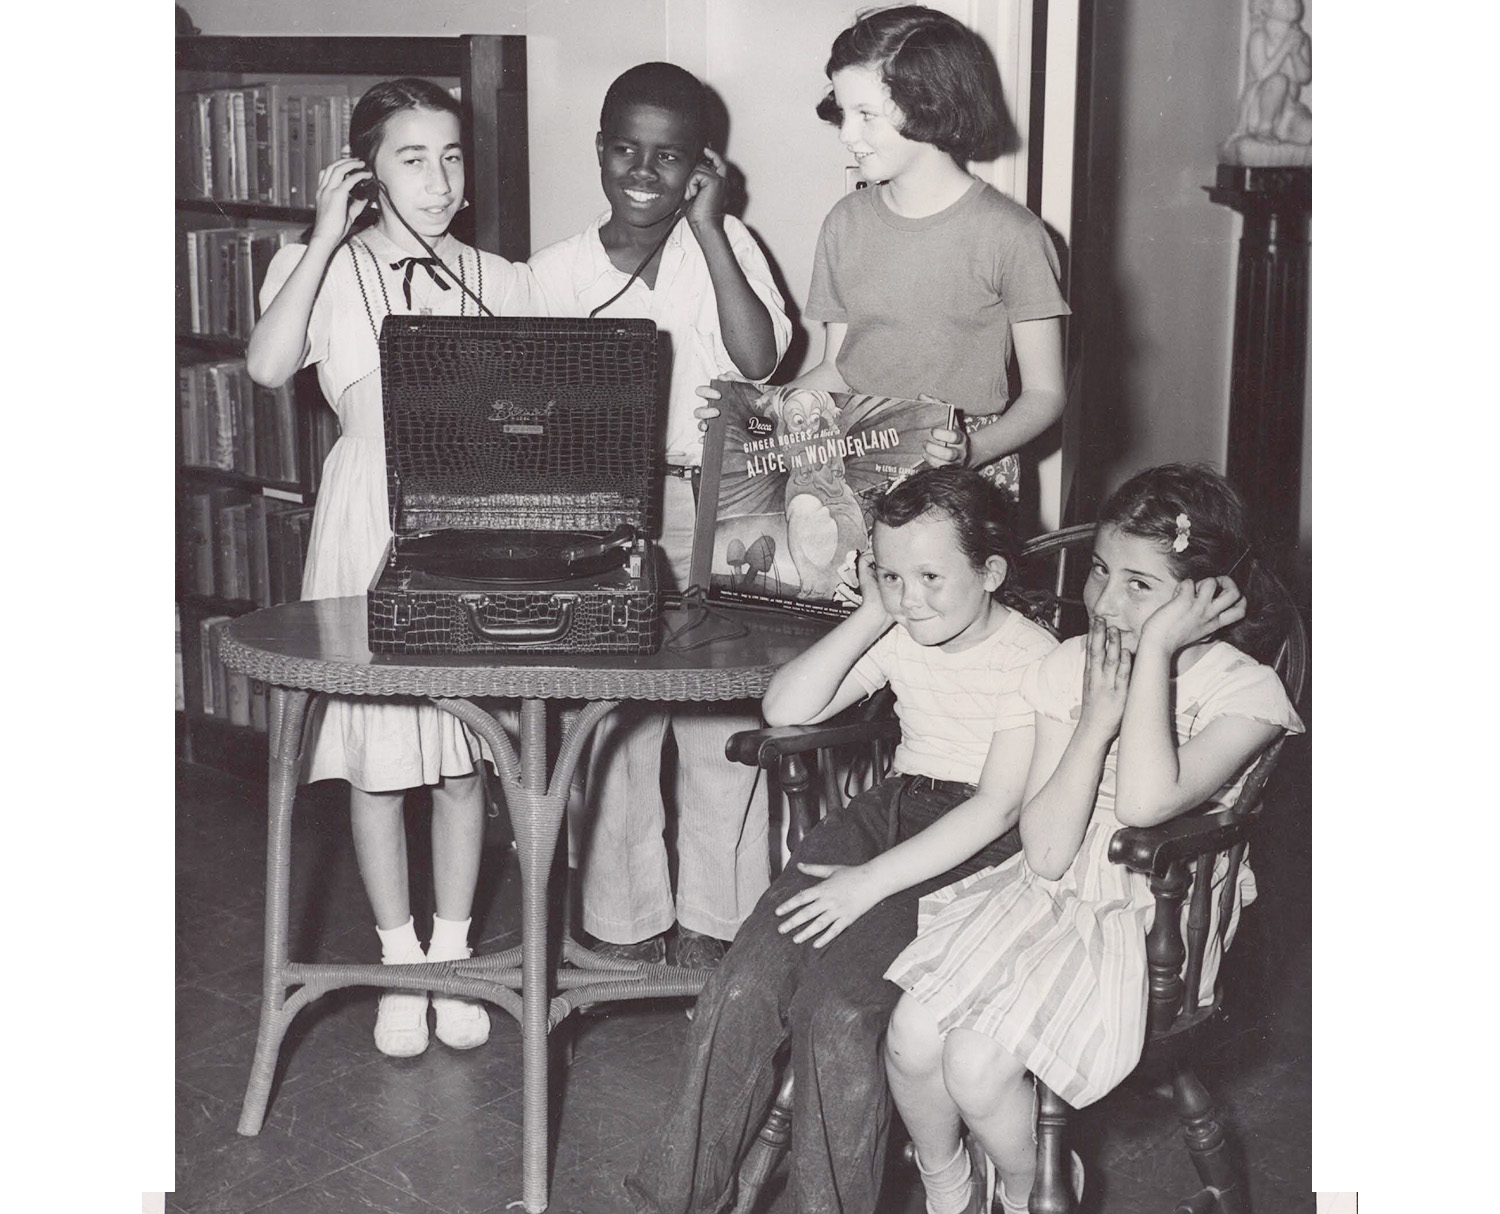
519, 471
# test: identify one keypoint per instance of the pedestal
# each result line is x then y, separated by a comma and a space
1268, 373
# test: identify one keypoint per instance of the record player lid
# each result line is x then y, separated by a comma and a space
518, 423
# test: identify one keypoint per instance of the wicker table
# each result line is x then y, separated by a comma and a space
300, 649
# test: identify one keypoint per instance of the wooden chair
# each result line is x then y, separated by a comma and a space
805, 761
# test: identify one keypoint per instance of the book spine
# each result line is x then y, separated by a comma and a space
259, 135
320, 127
184, 415
255, 526
221, 299
237, 691
241, 145
296, 159
224, 576
252, 463
275, 537
221, 419
301, 526
217, 684
239, 516
195, 303
180, 688
206, 663
223, 144
259, 707
287, 437
204, 138
244, 277
197, 424
272, 183
200, 539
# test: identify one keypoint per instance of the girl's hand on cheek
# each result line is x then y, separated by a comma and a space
1194, 613
1106, 681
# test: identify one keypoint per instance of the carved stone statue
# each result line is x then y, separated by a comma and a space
1275, 127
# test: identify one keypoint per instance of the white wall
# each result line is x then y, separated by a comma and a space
1155, 286
425, 18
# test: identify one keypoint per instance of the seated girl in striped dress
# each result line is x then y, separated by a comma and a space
1038, 965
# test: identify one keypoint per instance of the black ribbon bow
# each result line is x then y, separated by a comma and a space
430, 264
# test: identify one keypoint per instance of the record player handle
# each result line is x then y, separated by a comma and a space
521, 634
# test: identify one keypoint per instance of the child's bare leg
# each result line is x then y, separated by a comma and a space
457, 841
380, 848
993, 1093
914, 1063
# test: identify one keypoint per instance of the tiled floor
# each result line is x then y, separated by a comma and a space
351, 1130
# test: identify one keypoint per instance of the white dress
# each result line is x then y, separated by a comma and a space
377, 745
1055, 970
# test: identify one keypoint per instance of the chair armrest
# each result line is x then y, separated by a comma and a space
1150, 850
763, 747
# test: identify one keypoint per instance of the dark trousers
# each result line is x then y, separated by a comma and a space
832, 1004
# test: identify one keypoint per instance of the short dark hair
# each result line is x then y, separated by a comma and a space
1219, 540
939, 72
979, 511
663, 85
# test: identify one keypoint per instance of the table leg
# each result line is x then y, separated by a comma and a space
288, 711
536, 804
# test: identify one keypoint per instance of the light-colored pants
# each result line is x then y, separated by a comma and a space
618, 830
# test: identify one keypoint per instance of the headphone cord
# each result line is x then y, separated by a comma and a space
463, 286
645, 261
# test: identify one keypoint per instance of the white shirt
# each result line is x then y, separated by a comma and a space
575, 275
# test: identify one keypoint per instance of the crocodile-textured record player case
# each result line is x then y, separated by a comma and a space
520, 454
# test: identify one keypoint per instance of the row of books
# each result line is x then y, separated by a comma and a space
238, 545
227, 694
229, 422
224, 273
262, 143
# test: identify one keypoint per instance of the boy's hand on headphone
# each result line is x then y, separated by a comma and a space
1194, 613
703, 199
334, 213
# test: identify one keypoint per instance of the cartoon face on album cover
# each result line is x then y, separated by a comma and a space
789, 475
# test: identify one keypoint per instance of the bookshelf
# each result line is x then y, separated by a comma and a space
256, 119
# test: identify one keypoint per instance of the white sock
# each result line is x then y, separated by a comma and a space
399, 945
947, 1187
450, 939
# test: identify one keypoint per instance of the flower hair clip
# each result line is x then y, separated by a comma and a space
1184, 533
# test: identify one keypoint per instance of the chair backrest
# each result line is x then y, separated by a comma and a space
1053, 569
